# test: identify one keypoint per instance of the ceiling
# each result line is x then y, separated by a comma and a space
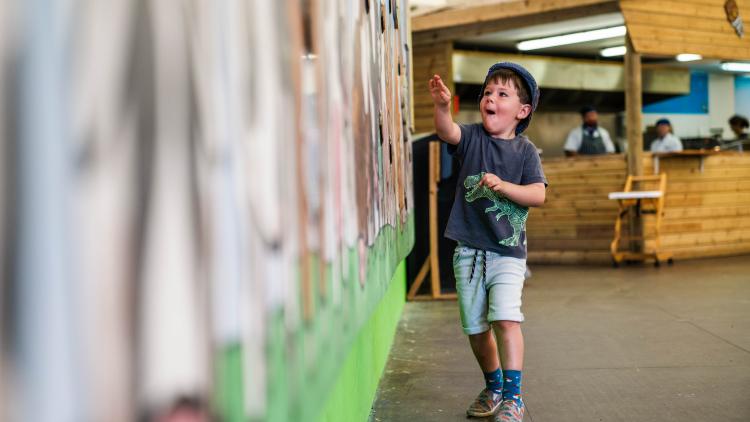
505, 41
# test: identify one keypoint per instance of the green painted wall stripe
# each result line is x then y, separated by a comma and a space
230, 388
354, 390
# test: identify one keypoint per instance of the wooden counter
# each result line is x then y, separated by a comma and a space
707, 213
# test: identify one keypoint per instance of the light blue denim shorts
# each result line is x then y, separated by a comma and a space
489, 287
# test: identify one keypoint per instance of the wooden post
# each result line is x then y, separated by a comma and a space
633, 113
431, 264
633, 107
434, 179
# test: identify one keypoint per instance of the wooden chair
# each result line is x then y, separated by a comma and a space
632, 205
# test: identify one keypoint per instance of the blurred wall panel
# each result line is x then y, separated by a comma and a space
104, 134
45, 290
203, 202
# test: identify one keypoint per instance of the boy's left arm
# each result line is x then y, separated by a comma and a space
531, 195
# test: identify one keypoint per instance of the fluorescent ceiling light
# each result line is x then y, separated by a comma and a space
689, 57
613, 51
578, 37
735, 67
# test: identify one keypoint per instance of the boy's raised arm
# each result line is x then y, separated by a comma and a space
446, 128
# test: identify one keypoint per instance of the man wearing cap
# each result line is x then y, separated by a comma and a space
589, 138
666, 141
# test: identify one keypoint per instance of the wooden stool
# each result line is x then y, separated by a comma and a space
633, 204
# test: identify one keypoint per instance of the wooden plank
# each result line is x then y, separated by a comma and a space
600, 235
707, 199
550, 215
677, 21
633, 106
711, 251
676, 8
670, 34
604, 178
434, 169
662, 48
428, 61
728, 211
597, 204
708, 174
424, 125
478, 28
701, 225
569, 257
569, 244
705, 250
709, 186
717, 237
418, 280
499, 10
672, 27
588, 175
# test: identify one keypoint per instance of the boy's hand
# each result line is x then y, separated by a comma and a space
441, 95
491, 181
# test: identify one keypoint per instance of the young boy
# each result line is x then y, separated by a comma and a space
500, 177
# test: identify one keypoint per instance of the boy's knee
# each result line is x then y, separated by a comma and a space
480, 336
506, 325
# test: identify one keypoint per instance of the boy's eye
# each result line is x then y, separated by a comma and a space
486, 93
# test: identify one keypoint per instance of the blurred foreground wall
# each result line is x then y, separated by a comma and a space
205, 205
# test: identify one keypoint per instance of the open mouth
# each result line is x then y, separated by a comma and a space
491, 112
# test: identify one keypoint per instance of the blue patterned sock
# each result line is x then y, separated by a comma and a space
512, 386
494, 380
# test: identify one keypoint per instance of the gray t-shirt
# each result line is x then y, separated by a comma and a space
481, 218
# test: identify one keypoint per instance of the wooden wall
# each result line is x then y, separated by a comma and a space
686, 26
576, 223
429, 59
706, 214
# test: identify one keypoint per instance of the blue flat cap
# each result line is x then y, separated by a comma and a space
530, 85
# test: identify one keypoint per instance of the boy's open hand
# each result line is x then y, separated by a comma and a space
441, 95
491, 181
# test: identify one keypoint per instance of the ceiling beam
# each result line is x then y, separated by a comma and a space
670, 27
453, 24
494, 11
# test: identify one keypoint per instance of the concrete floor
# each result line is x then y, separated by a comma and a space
631, 344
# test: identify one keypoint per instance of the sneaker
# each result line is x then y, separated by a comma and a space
486, 404
510, 411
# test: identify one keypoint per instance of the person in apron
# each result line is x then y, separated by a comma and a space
589, 138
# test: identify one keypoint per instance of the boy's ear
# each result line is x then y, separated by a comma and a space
524, 111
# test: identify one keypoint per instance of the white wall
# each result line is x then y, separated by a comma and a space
742, 95
720, 108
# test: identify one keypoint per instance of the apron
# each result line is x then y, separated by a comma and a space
591, 144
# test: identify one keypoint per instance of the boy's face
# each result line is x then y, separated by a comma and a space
501, 108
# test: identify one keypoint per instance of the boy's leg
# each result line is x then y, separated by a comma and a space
485, 350
510, 344
505, 286
472, 300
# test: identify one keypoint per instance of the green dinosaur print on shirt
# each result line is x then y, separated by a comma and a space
515, 214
